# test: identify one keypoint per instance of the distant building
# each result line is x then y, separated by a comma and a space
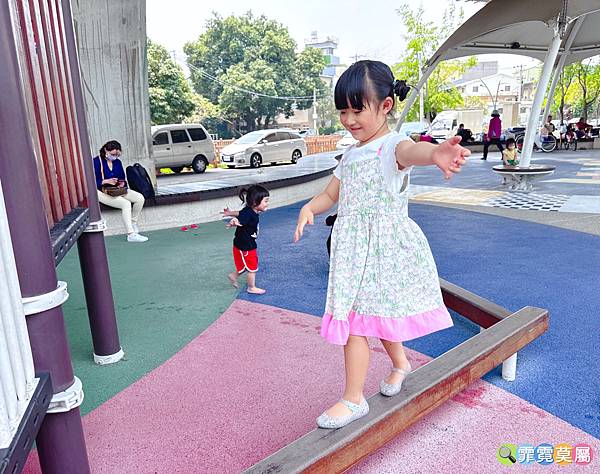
303, 119
327, 45
480, 70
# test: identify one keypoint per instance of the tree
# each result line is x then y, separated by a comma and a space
246, 64
565, 88
423, 38
171, 97
588, 77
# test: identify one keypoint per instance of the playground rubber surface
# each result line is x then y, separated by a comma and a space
214, 383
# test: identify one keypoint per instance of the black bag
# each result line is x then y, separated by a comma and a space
139, 180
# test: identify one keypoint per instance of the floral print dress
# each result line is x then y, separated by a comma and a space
383, 281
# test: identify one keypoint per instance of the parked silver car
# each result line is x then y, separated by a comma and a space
264, 146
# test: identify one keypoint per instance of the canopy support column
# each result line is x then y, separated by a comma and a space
561, 64
532, 122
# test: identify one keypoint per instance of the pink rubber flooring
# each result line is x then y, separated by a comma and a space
256, 380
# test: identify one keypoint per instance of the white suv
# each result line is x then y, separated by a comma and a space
264, 146
176, 146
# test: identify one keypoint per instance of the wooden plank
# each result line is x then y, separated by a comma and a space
482, 312
332, 451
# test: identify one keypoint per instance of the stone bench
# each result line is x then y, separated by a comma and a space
521, 179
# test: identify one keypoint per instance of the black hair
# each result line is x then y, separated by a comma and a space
253, 195
510, 141
365, 82
109, 146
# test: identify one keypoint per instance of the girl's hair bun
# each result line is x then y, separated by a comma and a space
401, 89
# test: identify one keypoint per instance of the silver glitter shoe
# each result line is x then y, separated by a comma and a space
391, 389
332, 422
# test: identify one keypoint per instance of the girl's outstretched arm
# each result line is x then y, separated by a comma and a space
448, 157
317, 205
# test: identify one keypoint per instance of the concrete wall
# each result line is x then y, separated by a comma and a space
111, 39
175, 215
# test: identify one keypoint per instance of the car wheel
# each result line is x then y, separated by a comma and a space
296, 156
230, 166
176, 169
255, 160
199, 164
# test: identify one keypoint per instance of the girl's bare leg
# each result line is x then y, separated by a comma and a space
399, 360
356, 357
233, 277
251, 279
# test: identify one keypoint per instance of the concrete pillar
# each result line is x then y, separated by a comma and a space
111, 40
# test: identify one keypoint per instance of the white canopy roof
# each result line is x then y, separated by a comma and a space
501, 25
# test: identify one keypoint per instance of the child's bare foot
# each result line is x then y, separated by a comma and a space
256, 290
232, 277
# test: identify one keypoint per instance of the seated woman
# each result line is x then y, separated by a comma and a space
110, 173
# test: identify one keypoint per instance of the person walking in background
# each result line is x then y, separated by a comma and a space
383, 281
113, 190
493, 135
245, 258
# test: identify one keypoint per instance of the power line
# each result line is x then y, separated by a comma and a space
253, 93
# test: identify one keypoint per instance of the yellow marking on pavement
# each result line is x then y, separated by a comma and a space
472, 197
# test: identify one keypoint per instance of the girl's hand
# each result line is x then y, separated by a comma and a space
233, 222
227, 212
306, 217
450, 156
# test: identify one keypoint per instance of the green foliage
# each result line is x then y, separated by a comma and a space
239, 55
588, 77
171, 97
566, 90
423, 38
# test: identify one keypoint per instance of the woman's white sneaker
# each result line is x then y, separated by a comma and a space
136, 238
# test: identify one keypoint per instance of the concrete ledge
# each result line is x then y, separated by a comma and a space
207, 210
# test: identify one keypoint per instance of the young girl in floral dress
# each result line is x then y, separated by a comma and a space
383, 281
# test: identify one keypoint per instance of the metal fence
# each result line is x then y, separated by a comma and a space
318, 144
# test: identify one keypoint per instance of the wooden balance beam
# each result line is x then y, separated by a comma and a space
429, 386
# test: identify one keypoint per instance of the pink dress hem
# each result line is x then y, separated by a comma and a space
337, 331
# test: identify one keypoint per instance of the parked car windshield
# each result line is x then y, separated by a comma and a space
412, 127
441, 125
250, 138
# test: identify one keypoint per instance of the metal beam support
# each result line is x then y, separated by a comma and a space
533, 121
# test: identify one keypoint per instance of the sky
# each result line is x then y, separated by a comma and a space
366, 29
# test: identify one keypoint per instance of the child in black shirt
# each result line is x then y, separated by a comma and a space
245, 258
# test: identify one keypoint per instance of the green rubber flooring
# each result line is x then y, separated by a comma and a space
166, 291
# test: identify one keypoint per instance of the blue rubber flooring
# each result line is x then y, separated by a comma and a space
511, 262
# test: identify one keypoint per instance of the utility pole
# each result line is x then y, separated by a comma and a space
421, 100
315, 116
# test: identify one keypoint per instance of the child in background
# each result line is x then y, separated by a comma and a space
245, 258
510, 155
383, 281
